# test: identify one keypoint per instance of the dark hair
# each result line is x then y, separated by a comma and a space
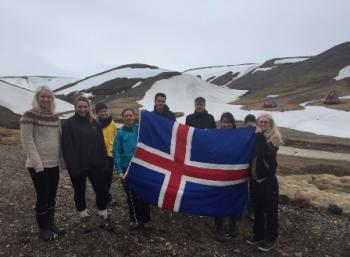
230, 118
249, 117
128, 109
159, 94
199, 100
100, 106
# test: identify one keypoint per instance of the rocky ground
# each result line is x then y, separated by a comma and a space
303, 232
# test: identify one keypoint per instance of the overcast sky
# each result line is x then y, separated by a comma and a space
81, 37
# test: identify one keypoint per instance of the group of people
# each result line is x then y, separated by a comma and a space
92, 147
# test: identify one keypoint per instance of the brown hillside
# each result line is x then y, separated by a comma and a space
299, 82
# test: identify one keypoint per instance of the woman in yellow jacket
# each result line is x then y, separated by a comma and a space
109, 128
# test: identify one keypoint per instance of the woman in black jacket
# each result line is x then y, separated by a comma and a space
85, 156
264, 184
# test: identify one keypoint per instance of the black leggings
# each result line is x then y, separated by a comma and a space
109, 176
138, 209
45, 184
98, 182
265, 200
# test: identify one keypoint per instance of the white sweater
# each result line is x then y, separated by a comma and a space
40, 135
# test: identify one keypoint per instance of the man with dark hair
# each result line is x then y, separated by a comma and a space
249, 121
200, 118
161, 108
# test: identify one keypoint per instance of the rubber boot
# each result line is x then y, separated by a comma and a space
44, 232
51, 222
219, 229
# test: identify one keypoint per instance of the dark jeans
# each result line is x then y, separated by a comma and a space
45, 184
109, 176
265, 200
98, 182
138, 210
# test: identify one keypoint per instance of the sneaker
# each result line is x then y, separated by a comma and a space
255, 240
266, 246
134, 225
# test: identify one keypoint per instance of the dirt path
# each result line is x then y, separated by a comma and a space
314, 154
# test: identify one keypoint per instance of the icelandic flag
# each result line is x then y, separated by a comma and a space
189, 170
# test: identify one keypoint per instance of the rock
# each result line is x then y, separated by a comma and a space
301, 200
335, 209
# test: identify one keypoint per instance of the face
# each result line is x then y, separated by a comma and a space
264, 123
128, 118
103, 113
45, 99
250, 124
159, 103
82, 108
225, 123
199, 106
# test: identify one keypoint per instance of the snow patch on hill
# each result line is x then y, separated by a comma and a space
97, 80
343, 73
19, 100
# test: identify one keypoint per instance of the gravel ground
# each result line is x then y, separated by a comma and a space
303, 232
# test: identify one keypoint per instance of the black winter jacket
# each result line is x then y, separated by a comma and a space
266, 154
166, 113
202, 120
83, 146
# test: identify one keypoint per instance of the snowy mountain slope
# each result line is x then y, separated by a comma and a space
210, 73
32, 82
19, 100
182, 90
119, 73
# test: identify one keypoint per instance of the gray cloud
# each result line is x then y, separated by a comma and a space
81, 37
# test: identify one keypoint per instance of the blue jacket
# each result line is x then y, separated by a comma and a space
124, 147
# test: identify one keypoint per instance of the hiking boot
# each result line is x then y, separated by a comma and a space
255, 240
134, 225
266, 246
51, 223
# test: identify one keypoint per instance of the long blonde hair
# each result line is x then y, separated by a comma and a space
272, 135
35, 102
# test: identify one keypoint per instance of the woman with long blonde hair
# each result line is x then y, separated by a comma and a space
85, 155
40, 134
264, 184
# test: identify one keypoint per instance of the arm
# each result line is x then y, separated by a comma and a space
117, 153
27, 130
69, 151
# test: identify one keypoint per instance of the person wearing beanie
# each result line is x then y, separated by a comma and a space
200, 118
85, 155
249, 121
40, 136
109, 129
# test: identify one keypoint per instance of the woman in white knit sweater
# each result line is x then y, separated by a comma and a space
40, 133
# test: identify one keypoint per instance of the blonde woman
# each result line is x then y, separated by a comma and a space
40, 133
85, 155
264, 184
